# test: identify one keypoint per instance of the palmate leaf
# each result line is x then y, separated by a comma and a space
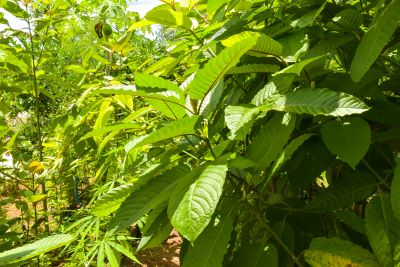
347, 190
334, 252
197, 206
169, 18
36, 248
148, 197
239, 120
265, 45
374, 40
217, 67
253, 68
395, 191
349, 139
270, 140
211, 245
382, 228
255, 255
320, 101
185, 126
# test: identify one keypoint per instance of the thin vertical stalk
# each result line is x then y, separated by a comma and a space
37, 111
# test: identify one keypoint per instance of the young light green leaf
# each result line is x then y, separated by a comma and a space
395, 191
255, 255
169, 18
35, 249
197, 206
320, 101
8, 57
374, 40
336, 252
211, 245
270, 140
239, 120
217, 67
112, 259
349, 139
148, 197
382, 228
185, 126
265, 45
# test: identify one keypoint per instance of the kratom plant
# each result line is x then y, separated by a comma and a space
268, 136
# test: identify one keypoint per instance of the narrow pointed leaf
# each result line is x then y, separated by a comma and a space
198, 204
217, 67
374, 40
35, 249
185, 126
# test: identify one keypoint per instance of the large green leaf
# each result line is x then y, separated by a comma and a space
217, 67
382, 228
334, 252
395, 190
111, 201
265, 45
255, 255
148, 197
279, 84
195, 210
185, 126
253, 68
211, 245
270, 140
294, 46
298, 67
239, 120
349, 139
10, 58
169, 18
374, 40
320, 101
35, 249
342, 194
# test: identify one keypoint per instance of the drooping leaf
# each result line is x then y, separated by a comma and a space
185, 126
374, 40
196, 208
211, 245
395, 191
382, 228
239, 120
270, 140
342, 194
148, 197
349, 139
158, 230
256, 255
217, 67
36, 248
265, 45
320, 101
335, 252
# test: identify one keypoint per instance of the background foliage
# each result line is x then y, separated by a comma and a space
265, 132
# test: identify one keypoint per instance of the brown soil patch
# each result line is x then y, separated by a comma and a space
165, 256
